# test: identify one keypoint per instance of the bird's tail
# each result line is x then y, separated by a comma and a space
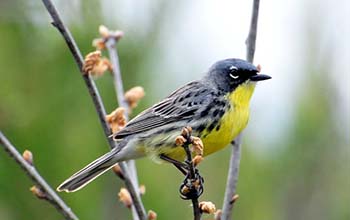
90, 172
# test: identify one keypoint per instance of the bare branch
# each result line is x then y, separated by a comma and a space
118, 85
232, 178
233, 172
47, 192
251, 39
117, 78
57, 22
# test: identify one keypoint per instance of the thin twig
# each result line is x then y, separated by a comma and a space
117, 78
38, 180
186, 133
232, 178
118, 85
233, 172
253, 30
57, 22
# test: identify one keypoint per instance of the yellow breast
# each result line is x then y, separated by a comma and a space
232, 122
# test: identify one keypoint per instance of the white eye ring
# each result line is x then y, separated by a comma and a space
233, 68
234, 76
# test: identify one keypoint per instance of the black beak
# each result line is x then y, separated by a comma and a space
259, 77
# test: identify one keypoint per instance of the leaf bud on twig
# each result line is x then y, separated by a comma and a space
95, 65
117, 170
38, 192
180, 140
207, 207
133, 96
99, 43
28, 156
124, 197
103, 30
234, 198
151, 215
116, 119
142, 189
197, 145
186, 132
197, 160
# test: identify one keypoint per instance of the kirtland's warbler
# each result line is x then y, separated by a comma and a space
216, 107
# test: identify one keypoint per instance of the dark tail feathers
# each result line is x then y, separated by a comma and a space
90, 172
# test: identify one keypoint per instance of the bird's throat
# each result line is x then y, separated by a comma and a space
241, 96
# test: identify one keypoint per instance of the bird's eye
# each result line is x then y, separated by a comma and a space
234, 72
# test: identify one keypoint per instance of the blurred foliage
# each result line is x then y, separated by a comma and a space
45, 107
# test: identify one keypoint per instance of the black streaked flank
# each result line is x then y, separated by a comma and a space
204, 113
200, 128
216, 112
221, 112
213, 124
220, 103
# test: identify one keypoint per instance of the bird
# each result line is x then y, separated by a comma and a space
216, 107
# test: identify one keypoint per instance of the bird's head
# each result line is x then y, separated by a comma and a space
228, 74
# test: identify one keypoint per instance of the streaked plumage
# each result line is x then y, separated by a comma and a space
216, 107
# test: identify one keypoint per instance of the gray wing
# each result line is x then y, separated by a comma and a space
181, 104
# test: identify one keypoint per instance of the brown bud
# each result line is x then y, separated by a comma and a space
152, 215
124, 197
186, 131
259, 68
234, 198
207, 207
102, 66
217, 214
106, 33
197, 145
116, 119
99, 43
133, 96
197, 160
91, 59
38, 192
142, 189
28, 157
95, 65
117, 170
103, 30
180, 140
117, 35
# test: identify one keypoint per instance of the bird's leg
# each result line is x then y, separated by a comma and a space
179, 165
191, 187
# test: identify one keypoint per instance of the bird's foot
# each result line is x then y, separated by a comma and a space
192, 188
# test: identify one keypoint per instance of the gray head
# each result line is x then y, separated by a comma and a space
228, 74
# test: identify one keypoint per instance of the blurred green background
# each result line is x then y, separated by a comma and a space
295, 161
